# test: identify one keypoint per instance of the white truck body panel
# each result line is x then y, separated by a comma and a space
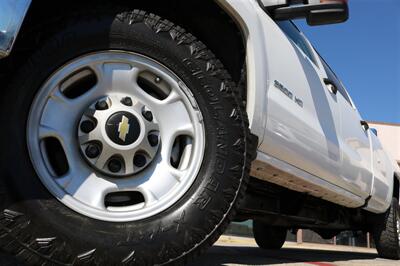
12, 15
323, 138
355, 145
382, 187
281, 173
304, 136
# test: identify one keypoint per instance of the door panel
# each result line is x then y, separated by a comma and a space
383, 174
356, 149
356, 167
303, 117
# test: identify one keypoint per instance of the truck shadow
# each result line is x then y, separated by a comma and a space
230, 255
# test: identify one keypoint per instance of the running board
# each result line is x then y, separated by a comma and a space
275, 171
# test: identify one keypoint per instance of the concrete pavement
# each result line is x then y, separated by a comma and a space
232, 251
244, 251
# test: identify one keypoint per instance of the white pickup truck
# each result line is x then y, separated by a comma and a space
129, 140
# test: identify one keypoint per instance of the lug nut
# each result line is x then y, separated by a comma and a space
127, 101
148, 115
87, 126
101, 105
92, 151
153, 140
114, 166
139, 160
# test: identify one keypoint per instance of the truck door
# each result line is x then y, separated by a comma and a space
381, 194
355, 141
303, 118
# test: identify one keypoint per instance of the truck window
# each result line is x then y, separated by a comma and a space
298, 38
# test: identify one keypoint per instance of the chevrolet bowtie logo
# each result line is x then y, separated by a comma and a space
123, 128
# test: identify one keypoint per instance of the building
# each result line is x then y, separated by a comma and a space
389, 135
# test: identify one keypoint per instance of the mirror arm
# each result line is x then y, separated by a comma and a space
315, 12
292, 12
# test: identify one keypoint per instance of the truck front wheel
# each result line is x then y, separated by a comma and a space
124, 143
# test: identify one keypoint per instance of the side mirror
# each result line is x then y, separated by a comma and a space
375, 131
316, 12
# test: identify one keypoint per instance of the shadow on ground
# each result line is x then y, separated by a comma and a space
225, 255
228, 255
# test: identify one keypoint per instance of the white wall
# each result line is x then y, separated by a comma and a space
389, 135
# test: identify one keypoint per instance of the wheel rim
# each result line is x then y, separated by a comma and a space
153, 114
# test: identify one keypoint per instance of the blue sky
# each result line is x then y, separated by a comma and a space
365, 53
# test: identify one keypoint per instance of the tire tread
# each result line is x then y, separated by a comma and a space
386, 237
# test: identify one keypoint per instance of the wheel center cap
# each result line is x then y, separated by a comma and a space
123, 128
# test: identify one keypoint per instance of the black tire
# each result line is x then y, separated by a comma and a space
269, 237
40, 230
386, 233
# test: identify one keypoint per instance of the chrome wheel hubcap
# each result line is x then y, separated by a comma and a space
116, 136
121, 140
